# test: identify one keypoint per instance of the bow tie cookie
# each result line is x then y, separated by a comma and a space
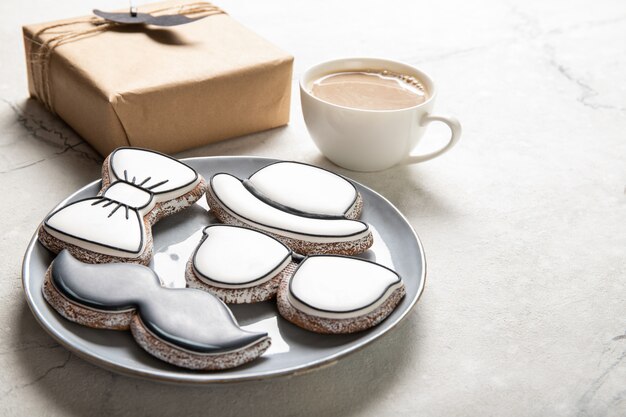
185, 327
239, 265
309, 209
139, 187
338, 294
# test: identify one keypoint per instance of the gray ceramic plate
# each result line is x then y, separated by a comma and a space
293, 350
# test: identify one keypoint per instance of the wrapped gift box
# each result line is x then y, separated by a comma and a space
167, 89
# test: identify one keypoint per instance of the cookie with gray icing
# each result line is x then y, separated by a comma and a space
239, 265
139, 187
309, 209
338, 294
185, 327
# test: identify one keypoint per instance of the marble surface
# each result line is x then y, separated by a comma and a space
524, 223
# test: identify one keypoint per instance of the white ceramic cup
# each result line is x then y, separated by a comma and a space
370, 140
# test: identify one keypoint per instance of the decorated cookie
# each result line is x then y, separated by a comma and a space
139, 187
185, 327
339, 294
276, 200
239, 265
306, 190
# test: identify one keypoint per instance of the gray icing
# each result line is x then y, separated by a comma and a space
188, 318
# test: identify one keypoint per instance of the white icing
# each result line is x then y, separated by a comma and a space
129, 195
340, 287
156, 178
89, 226
240, 203
235, 257
140, 164
305, 188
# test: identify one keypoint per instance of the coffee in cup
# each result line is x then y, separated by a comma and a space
370, 90
368, 114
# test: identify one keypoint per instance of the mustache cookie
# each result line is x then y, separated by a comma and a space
309, 209
139, 187
185, 327
321, 293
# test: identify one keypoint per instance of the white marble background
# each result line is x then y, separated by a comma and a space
524, 223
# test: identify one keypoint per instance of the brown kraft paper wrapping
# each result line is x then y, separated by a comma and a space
167, 89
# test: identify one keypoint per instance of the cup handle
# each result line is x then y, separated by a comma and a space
455, 129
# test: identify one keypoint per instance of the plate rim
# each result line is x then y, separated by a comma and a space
214, 377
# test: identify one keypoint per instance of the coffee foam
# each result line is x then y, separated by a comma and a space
370, 90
